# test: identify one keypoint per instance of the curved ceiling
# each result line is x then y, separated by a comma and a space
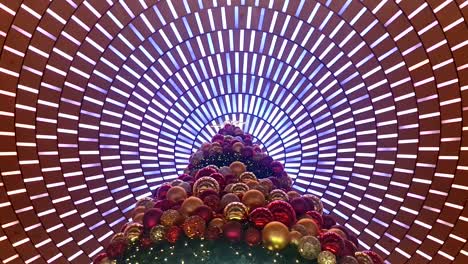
102, 101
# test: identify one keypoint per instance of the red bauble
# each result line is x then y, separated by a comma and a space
204, 212
116, 248
151, 218
253, 237
376, 258
212, 201
164, 204
348, 249
100, 257
328, 221
145, 242
173, 234
218, 138
232, 230
183, 176
218, 177
277, 167
162, 191
204, 172
212, 233
282, 212
260, 217
332, 242
316, 217
300, 205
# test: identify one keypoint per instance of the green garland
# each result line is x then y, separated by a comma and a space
190, 251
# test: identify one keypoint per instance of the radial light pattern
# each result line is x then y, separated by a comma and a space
102, 101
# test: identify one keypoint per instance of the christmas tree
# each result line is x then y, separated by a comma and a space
233, 204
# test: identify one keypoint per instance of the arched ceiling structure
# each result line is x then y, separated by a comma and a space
364, 102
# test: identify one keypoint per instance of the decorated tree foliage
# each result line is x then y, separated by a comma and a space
233, 204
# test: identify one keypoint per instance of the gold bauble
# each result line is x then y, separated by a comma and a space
267, 183
294, 237
194, 226
310, 225
237, 168
237, 147
309, 247
239, 188
138, 210
118, 237
143, 201
252, 184
133, 231
189, 205
176, 194
139, 218
253, 199
171, 217
363, 258
278, 194
292, 195
157, 233
236, 211
217, 222
339, 232
326, 257
247, 176
275, 236
228, 198
205, 183
225, 170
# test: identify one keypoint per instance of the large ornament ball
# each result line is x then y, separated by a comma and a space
238, 147
212, 201
316, 217
309, 247
228, 198
310, 225
239, 189
102, 258
267, 184
158, 233
116, 249
203, 172
151, 218
204, 212
253, 199
171, 217
118, 237
260, 217
278, 194
275, 236
292, 195
332, 242
236, 211
277, 167
326, 257
138, 218
164, 204
376, 258
162, 191
363, 258
247, 176
339, 232
348, 260
217, 222
138, 210
189, 205
176, 194
294, 237
237, 168
282, 212
348, 249
205, 183
301, 229
225, 170
253, 237
315, 202
133, 231
194, 226
187, 187
300, 205
173, 234
232, 230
